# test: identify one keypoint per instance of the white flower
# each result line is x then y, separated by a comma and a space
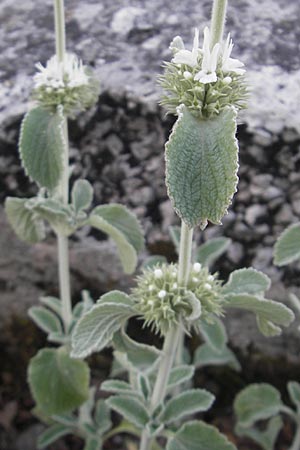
209, 63
158, 273
230, 64
197, 267
183, 56
58, 74
162, 293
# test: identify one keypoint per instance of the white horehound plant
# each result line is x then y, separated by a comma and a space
262, 401
205, 87
60, 384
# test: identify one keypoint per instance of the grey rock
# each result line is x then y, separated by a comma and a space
255, 212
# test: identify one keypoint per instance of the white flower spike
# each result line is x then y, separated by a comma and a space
183, 56
208, 73
230, 64
59, 75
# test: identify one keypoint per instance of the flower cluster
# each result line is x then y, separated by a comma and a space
163, 303
205, 80
68, 83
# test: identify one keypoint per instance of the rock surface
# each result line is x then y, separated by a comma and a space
118, 146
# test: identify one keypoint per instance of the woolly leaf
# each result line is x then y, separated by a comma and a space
179, 375
287, 247
53, 433
214, 334
247, 281
102, 416
257, 402
154, 260
93, 443
59, 216
208, 252
122, 226
270, 315
25, 223
206, 355
42, 145
82, 195
52, 303
58, 382
130, 408
186, 403
140, 357
45, 319
198, 435
201, 166
117, 387
294, 393
265, 438
96, 328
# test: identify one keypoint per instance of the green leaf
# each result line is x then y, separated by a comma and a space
58, 383
82, 195
117, 387
140, 357
42, 145
180, 374
247, 281
201, 166
208, 252
96, 328
294, 393
45, 319
257, 402
198, 435
214, 334
123, 227
175, 236
206, 355
265, 438
53, 433
25, 223
186, 403
52, 303
130, 408
102, 416
287, 247
270, 315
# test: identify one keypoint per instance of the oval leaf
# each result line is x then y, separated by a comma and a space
287, 247
201, 166
130, 408
294, 393
82, 195
96, 328
53, 433
198, 435
247, 281
25, 223
42, 145
180, 374
214, 334
257, 402
58, 383
206, 355
123, 227
45, 319
186, 403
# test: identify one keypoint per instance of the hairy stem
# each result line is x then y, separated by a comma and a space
217, 21
173, 336
63, 189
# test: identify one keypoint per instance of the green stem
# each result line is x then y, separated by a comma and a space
63, 189
217, 21
173, 336
60, 29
